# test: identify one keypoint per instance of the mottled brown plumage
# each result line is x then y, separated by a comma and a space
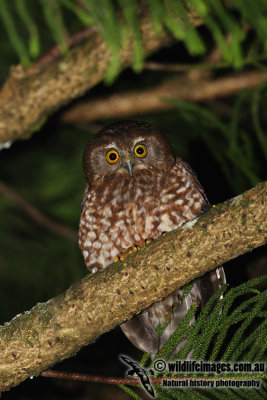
136, 189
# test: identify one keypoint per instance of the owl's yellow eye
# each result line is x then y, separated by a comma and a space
112, 156
140, 150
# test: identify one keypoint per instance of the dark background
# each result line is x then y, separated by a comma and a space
37, 264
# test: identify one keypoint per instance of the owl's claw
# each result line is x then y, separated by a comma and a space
148, 241
129, 250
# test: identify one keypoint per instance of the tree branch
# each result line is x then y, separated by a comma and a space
28, 97
37, 215
53, 331
154, 100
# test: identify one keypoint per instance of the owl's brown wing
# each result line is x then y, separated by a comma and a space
192, 178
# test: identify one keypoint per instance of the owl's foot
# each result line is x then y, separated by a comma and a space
130, 250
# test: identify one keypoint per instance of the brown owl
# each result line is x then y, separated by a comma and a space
136, 190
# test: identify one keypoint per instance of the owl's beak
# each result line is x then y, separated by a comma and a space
128, 164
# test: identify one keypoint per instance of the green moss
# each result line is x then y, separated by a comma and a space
29, 322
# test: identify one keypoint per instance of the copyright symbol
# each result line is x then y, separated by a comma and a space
159, 365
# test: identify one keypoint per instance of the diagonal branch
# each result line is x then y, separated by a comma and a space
53, 331
28, 97
37, 215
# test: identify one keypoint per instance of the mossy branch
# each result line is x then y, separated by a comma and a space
55, 330
28, 97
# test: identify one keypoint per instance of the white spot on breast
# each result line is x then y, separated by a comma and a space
91, 235
163, 207
107, 212
149, 223
105, 254
103, 238
121, 225
165, 224
114, 252
85, 253
197, 204
107, 245
185, 210
102, 260
128, 238
97, 245
187, 213
94, 270
90, 218
190, 199
136, 237
92, 260
175, 214
87, 243
181, 189
179, 202
106, 224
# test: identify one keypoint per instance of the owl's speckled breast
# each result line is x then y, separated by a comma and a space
129, 210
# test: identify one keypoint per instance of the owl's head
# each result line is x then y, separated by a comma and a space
126, 148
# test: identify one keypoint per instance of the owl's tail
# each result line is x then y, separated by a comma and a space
141, 330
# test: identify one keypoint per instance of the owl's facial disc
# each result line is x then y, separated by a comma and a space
129, 149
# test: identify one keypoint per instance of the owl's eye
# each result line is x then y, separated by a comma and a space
140, 150
112, 156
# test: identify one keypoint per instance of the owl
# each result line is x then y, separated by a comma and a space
136, 190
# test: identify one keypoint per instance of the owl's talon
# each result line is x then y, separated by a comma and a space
148, 241
163, 233
129, 250
120, 257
